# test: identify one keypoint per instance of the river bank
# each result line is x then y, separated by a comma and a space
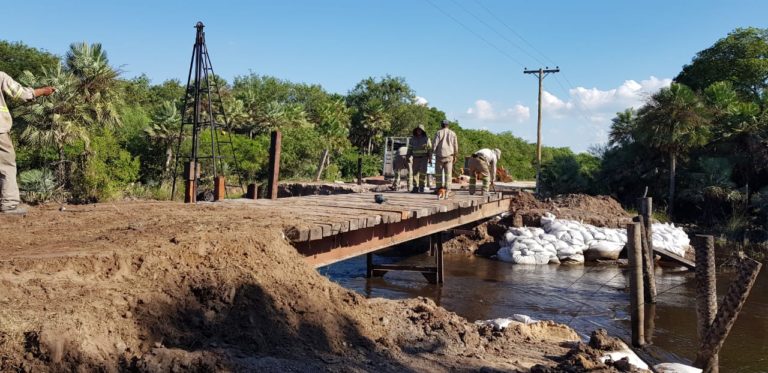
585, 297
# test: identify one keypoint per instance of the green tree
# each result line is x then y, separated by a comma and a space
165, 131
86, 100
19, 57
374, 102
673, 121
740, 58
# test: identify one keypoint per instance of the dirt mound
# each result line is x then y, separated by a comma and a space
166, 287
601, 211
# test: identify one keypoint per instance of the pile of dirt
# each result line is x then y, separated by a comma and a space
168, 287
483, 240
601, 211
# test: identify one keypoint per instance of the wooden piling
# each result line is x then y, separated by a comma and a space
191, 173
274, 163
706, 293
636, 299
649, 278
359, 170
321, 166
727, 313
219, 188
253, 191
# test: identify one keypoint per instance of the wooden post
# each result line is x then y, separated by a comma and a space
646, 210
274, 163
191, 174
369, 265
359, 170
321, 166
219, 188
253, 191
649, 277
706, 294
636, 300
439, 257
727, 313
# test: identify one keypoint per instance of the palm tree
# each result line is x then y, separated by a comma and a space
623, 127
375, 121
85, 100
165, 130
673, 121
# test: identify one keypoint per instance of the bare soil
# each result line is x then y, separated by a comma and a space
601, 211
157, 287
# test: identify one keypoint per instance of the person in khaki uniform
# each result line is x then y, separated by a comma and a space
401, 162
483, 163
9, 190
446, 149
420, 148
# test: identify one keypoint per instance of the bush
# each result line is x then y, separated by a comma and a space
569, 173
104, 171
347, 163
36, 185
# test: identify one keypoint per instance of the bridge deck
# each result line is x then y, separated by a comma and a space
336, 227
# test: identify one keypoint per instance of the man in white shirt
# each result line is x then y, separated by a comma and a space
483, 163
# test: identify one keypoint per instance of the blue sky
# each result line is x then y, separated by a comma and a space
463, 56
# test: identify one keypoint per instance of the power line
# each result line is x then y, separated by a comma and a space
454, 19
496, 32
516, 34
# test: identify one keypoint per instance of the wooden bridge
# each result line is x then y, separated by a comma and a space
337, 227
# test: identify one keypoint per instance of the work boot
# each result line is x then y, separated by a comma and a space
415, 190
13, 210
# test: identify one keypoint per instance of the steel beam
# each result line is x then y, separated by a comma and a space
335, 248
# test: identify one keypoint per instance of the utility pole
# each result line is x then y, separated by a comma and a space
541, 74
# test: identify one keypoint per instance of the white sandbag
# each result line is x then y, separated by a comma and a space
675, 368
523, 259
509, 236
605, 250
571, 250
633, 358
578, 258
504, 254
525, 319
548, 237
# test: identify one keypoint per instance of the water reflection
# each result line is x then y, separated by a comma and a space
585, 297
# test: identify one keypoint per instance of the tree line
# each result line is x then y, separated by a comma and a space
699, 146
103, 136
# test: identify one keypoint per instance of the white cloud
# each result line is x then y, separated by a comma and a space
628, 94
485, 112
420, 101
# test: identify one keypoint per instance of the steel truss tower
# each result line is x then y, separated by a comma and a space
204, 120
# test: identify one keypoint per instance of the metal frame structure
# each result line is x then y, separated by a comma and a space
202, 105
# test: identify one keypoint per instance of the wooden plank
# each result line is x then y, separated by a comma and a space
675, 258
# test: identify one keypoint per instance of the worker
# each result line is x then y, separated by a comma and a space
401, 162
483, 163
446, 150
9, 190
420, 149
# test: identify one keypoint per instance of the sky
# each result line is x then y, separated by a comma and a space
465, 57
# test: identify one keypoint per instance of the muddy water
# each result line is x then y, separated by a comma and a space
585, 297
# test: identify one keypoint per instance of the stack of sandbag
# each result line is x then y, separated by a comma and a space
528, 245
670, 238
560, 241
568, 241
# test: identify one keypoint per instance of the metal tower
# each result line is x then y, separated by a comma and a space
203, 111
